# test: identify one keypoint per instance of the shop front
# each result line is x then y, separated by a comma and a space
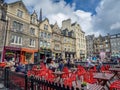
11, 53
70, 55
27, 55
45, 53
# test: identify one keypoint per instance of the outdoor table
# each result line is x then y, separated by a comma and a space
103, 78
95, 87
86, 67
36, 71
58, 74
92, 87
115, 85
116, 66
115, 71
73, 69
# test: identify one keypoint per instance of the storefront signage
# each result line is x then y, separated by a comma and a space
12, 48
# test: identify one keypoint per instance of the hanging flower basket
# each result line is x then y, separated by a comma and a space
9, 54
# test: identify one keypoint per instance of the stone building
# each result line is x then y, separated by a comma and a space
56, 42
80, 41
20, 43
68, 44
45, 39
89, 45
3, 26
102, 43
26, 39
115, 43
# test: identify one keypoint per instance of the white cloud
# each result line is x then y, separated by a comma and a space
84, 19
107, 19
57, 12
115, 26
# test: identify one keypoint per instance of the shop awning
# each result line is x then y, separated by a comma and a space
29, 50
41, 52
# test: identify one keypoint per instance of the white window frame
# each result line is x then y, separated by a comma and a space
20, 13
48, 45
33, 19
45, 27
18, 26
16, 40
32, 42
32, 31
41, 43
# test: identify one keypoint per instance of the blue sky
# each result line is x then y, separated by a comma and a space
94, 16
86, 5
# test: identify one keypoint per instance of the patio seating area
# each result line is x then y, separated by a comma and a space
40, 77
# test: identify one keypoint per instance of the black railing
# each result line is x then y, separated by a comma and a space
104, 63
19, 81
2, 75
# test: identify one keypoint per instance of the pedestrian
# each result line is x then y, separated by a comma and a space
99, 65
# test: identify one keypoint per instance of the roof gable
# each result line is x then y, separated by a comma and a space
56, 28
21, 4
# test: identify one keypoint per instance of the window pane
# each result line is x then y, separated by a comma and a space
17, 26
16, 39
32, 31
19, 13
13, 39
20, 40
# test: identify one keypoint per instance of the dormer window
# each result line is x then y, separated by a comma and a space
20, 13
32, 31
33, 19
45, 27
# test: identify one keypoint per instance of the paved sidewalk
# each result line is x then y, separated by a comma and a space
2, 87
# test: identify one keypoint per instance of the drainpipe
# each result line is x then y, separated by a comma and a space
4, 41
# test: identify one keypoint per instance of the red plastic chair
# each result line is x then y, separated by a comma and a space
34, 67
104, 69
115, 85
30, 72
50, 76
79, 66
68, 82
2, 64
107, 67
92, 80
66, 74
80, 72
73, 77
88, 77
93, 69
42, 73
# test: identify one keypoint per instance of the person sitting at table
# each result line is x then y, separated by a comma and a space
53, 66
61, 65
99, 64
72, 63
90, 64
20, 68
65, 62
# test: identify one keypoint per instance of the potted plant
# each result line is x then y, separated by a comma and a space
83, 85
9, 54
